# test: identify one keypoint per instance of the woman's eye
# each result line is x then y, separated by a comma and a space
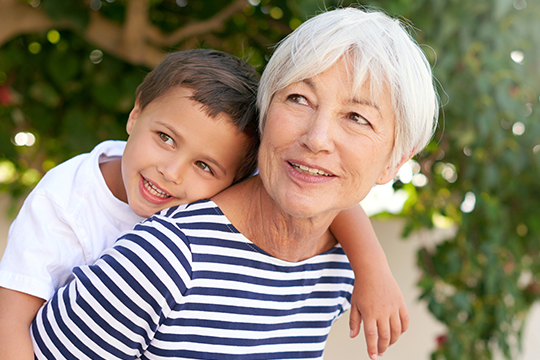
299, 99
358, 118
166, 138
203, 166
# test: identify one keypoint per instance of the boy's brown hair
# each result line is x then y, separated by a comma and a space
221, 82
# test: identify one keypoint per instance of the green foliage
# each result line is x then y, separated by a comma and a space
71, 95
482, 282
65, 100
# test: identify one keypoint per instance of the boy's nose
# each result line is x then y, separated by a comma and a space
174, 171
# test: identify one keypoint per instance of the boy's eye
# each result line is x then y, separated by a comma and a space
203, 166
166, 138
299, 99
358, 118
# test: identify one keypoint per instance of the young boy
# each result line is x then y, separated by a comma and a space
192, 133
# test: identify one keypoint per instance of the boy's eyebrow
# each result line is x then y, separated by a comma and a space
217, 165
177, 135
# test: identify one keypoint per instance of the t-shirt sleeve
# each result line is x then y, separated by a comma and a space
113, 309
42, 248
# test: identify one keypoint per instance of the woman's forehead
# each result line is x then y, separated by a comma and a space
358, 86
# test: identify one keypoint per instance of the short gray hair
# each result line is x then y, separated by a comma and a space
380, 49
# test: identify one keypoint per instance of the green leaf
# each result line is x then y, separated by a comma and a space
45, 94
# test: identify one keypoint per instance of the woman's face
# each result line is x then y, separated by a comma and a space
323, 148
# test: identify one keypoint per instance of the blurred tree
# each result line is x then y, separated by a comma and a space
68, 70
483, 171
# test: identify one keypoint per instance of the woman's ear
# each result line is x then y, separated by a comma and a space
133, 116
391, 171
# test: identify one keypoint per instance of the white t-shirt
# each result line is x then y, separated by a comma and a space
67, 220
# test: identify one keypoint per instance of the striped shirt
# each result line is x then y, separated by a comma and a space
185, 284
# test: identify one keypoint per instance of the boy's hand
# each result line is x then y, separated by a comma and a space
380, 305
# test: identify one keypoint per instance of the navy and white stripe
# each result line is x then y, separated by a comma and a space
185, 284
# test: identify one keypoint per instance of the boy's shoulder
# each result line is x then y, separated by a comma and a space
78, 175
86, 162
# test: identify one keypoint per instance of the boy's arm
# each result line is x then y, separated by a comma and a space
376, 299
17, 310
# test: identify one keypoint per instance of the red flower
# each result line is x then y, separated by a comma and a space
6, 96
441, 340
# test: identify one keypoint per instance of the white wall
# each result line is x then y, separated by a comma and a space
419, 341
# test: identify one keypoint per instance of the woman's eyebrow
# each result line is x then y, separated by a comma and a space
365, 102
353, 100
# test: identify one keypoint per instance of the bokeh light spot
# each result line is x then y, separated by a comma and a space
53, 36
518, 56
528, 109
30, 177
419, 180
96, 56
24, 139
95, 5
468, 203
276, 13
441, 221
34, 47
8, 173
520, 4
522, 229
405, 174
518, 128
294, 23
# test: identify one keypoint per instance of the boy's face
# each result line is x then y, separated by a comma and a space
176, 154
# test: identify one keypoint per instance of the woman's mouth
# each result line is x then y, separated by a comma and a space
154, 190
311, 171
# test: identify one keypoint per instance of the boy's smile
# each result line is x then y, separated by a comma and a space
177, 154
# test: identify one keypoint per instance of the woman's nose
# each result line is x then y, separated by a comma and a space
318, 135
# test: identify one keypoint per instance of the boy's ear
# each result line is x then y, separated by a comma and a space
133, 116
391, 171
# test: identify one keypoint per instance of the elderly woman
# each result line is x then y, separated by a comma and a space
254, 273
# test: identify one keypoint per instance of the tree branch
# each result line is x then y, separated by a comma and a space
136, 41
18, 18
135, 27
109, 36
194, 29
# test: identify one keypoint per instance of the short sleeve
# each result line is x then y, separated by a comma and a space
113, 309
42, 249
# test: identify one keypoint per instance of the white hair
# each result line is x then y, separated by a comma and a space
380, 50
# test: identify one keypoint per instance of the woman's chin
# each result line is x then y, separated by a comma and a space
304, 208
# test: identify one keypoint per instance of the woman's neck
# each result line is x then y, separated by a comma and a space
258, 217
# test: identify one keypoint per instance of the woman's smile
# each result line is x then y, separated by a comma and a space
309, 170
